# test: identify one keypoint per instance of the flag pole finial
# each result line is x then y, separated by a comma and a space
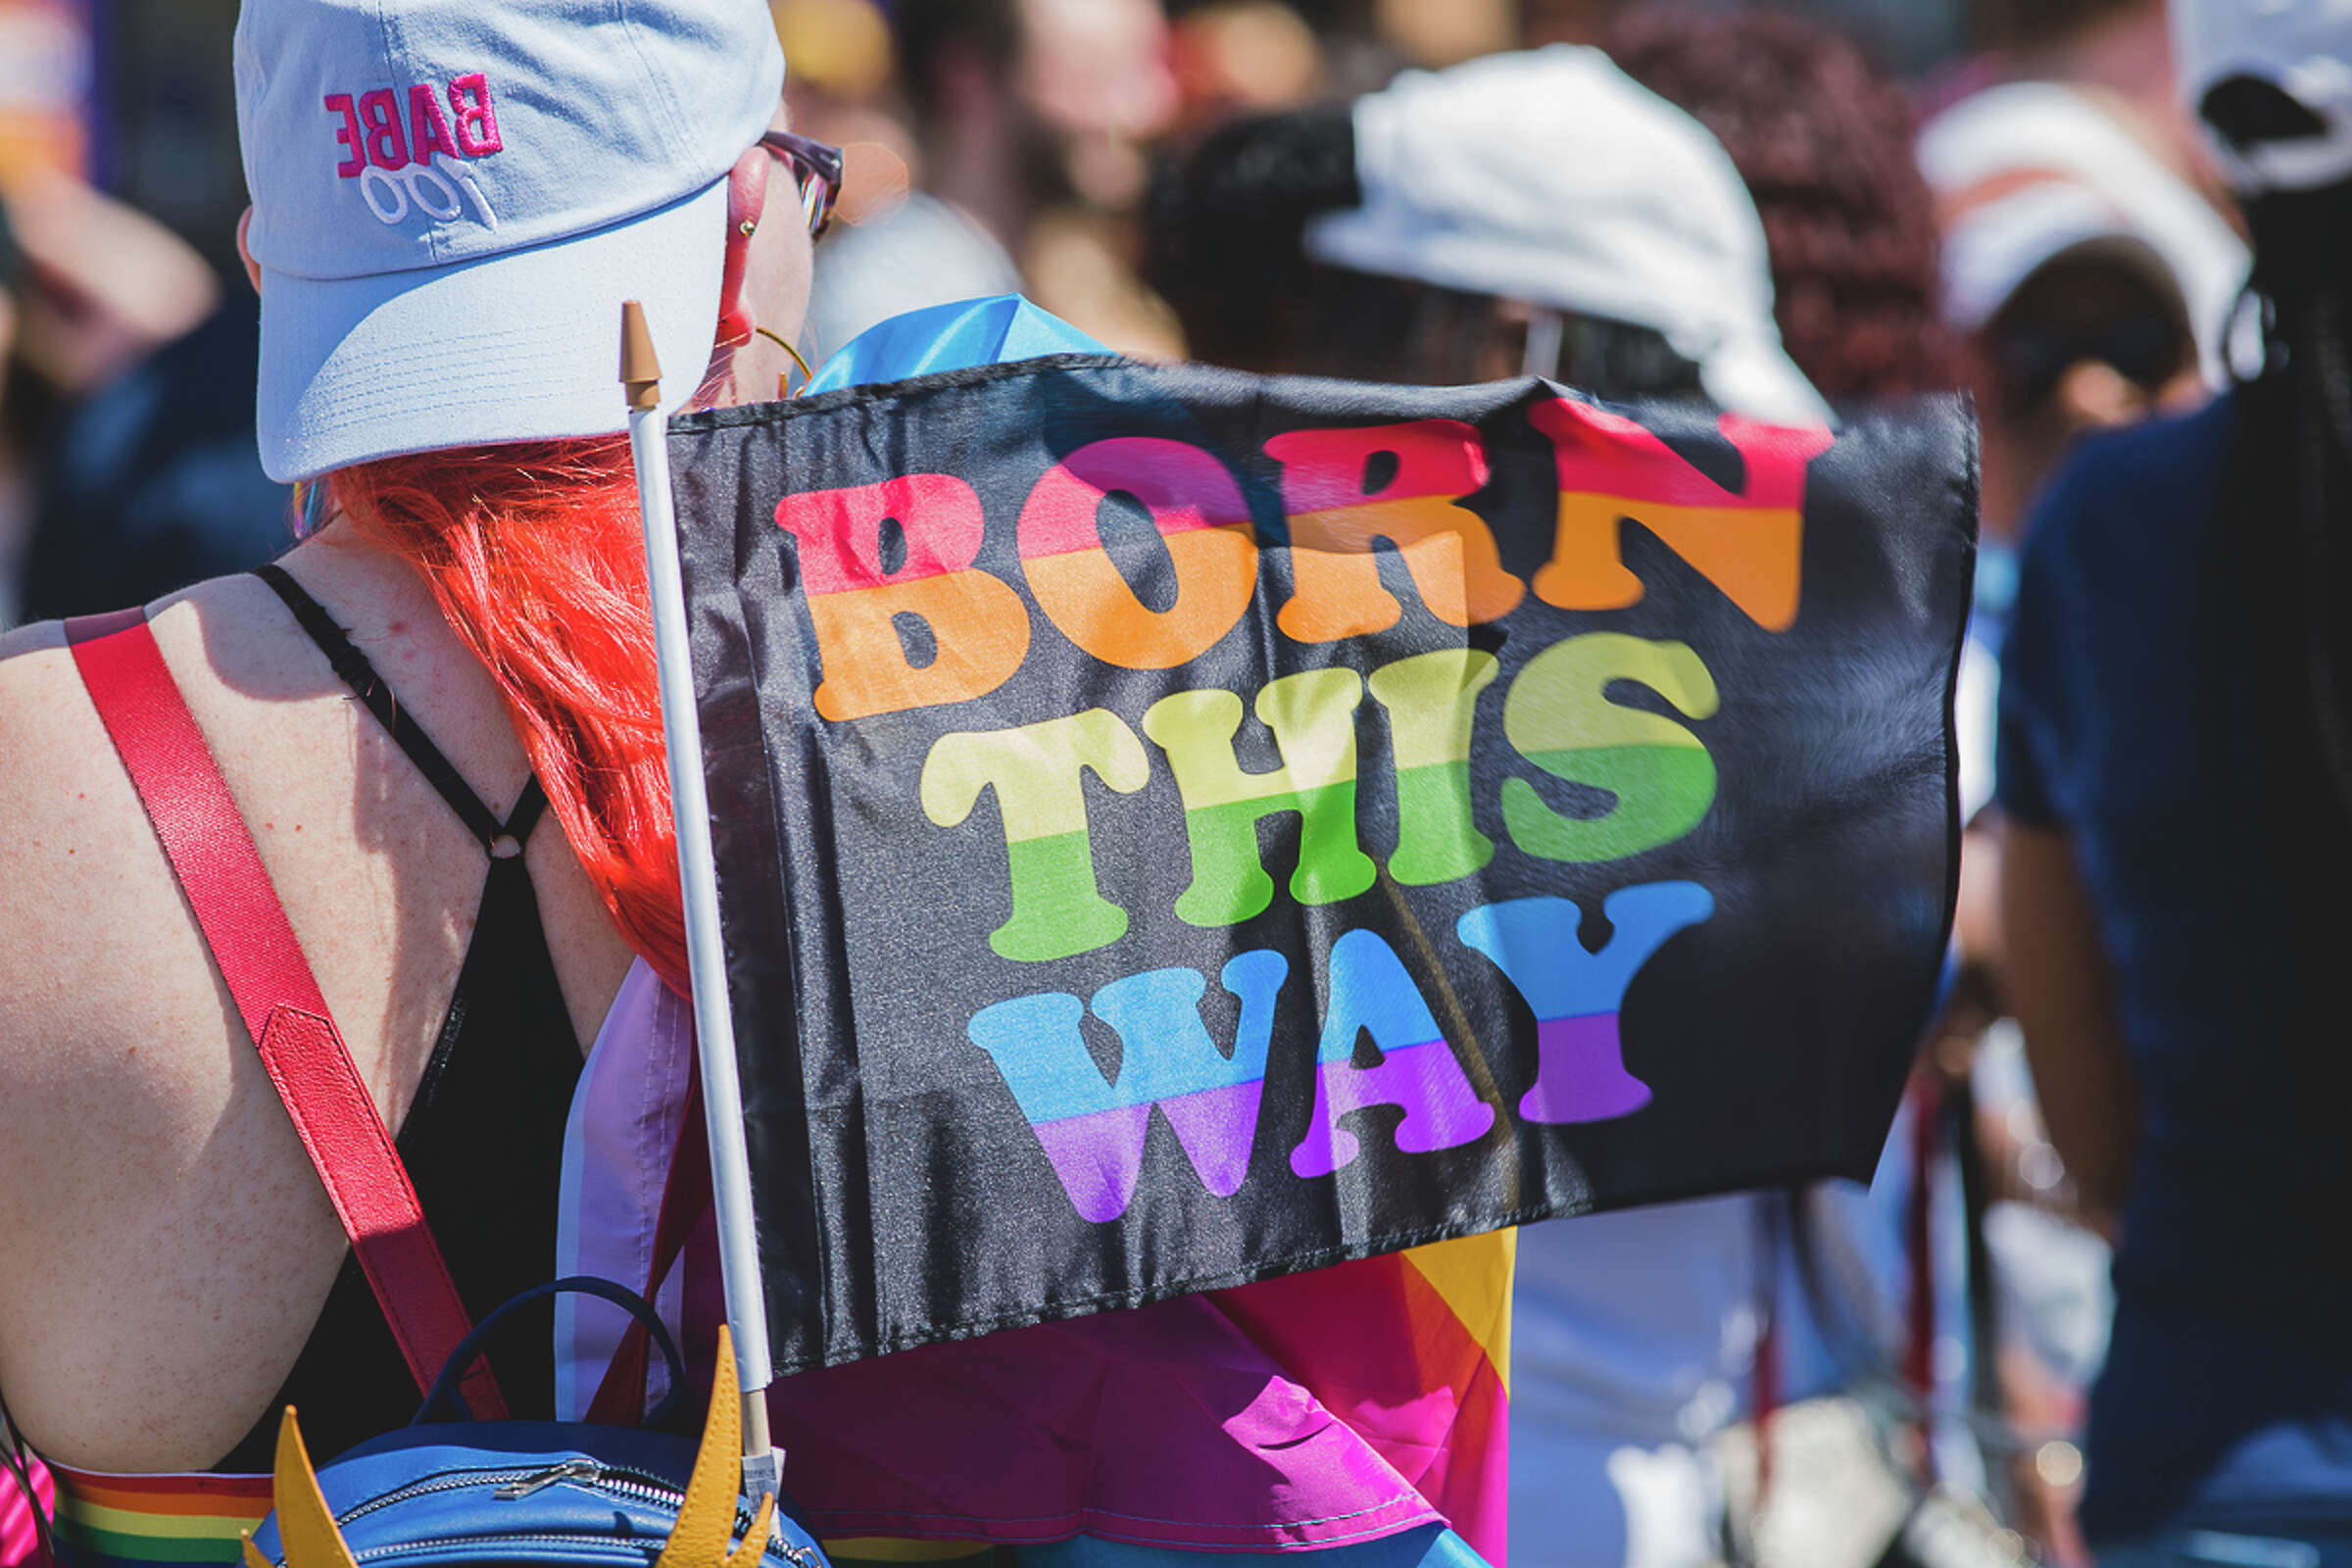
640, 366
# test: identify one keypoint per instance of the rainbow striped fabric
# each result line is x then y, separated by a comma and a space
1414, 1351
1410, 1351
167, 1521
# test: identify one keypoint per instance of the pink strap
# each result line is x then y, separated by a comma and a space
23, 1535
213, 855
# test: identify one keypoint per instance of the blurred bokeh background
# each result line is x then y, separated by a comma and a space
1997, 195
992, 144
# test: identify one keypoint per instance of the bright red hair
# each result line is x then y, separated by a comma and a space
535, 555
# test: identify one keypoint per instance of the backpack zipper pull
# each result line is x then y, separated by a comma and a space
568, 1470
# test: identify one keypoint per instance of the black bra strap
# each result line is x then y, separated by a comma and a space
352, 668
525, 815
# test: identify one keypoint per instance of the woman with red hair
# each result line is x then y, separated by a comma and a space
475, 861
441, 267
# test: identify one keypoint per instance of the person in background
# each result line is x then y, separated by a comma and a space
1030, 118
2088, 282
1242, 57
1437, 233
1824, 142
2178, 795
136, 457
843, 91
105, 284
2089, 274
2090, 285
1822, 139
914, 249
151, 482
2117, 52
1529, 213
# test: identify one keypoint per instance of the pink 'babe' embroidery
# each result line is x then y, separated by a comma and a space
373, 132
417, 161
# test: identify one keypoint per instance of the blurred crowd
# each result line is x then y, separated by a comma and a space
1786, 207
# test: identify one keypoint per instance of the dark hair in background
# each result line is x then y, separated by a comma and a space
1224, 244
924, 33
2020, 27
1223, 230
2295, 424
2285, 548
1823, 140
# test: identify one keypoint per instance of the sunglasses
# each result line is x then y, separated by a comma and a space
817, 168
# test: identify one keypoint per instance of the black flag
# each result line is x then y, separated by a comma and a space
1176, 828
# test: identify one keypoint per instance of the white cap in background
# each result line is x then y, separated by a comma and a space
2027, 172
452, 198
2301, 47
1552, 178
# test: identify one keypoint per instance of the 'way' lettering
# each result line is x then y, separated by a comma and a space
1092, 1128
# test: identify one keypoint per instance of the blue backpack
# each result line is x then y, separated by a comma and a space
447, 1489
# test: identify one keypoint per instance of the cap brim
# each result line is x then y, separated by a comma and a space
1990, 252
523, 346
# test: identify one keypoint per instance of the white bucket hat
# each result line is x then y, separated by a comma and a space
452, 198
2301, 47
1551, 178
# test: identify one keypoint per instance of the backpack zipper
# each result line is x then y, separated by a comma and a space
519, 1484
568, 1470
447, 1481
594, 1476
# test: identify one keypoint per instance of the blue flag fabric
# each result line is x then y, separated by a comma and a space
950, 337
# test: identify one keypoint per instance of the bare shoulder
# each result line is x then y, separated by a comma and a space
101, 949
96, 919
63, 799
74, 843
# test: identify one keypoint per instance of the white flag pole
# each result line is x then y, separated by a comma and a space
706, 962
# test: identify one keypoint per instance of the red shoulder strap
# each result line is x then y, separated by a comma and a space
213, 855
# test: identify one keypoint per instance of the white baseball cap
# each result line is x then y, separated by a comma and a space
2301, 47
452, 198
2028, 171
1551, 178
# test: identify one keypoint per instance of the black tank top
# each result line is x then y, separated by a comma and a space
485, 1137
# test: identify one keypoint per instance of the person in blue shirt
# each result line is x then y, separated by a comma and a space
2177, 779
